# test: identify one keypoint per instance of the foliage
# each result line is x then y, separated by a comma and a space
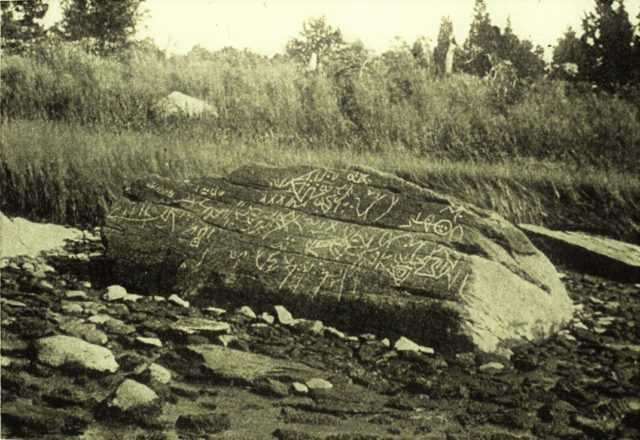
107, 25
316, 37
20, 24
445, 40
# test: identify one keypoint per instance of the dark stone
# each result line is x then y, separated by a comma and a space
370, 250
270, 387
204, 423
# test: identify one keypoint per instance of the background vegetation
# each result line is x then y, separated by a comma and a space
498, 126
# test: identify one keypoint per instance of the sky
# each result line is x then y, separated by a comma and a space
265, 26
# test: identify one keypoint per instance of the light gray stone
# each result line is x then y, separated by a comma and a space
65, 351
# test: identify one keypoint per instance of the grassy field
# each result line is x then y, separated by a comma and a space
69, 173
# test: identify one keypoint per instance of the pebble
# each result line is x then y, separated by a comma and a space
132, 297
44, 285
334, 332
191, 326
216, 310
318, 384
86, 284
405, 344
155, 342
158, 298
491, 367
62, 351
284, 316
12, 303
299, 388
71, 307
75, 294
386, 342
114, 293
580, 325
247, 311
178, 301
99, 319
158, 373
268, 318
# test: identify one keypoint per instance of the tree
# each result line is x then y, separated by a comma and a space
20, 23
316, 37
421, 51
607, 46
567, 56
107, 24
445, 41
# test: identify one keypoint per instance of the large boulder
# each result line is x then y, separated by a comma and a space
588, 253
353, 247
177, 104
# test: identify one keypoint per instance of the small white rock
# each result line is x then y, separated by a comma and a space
386, 342
491, 366
158, 298
155, 342
114, 293
75, 294
318, 384
132, 297
299, 388
268, 318
334, 332
99, 319
159, 374
405, 344
178, 301
72, 307
12, 303
247, 311
216, 310
131, 394
284, 316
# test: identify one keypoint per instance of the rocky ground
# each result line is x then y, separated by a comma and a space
84, 358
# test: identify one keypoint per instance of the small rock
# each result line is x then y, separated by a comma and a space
386, 342
284, 316
154, 342
318, 384
204, 423
75, 294
44, 285
247, 311
12, 303
132, 297
299, 388
114, 293
216, 310
71, 307
405, 344
305, 325
86, 284
47, 268
267, 318
99, 319
86, 331
580, 325
490, 367
334, 332
271, 387
158, 298
68, 351
118, 327
135, 399
351, 338
157, 373
5, 361
178, 301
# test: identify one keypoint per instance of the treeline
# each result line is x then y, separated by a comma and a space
499, 101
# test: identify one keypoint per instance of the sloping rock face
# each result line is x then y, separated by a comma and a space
587, 253
354, 247
177, 104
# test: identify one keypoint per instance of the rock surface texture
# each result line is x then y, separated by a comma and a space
587, 253
362, 249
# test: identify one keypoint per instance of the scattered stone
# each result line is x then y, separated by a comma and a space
157, 373
12, 303
267, 318
118, 327
227, 340
5, 361
86, 331
386, 342
154, 342
135, 400
192, 326
491, 367
405, 344
283, 316
132, 297
178, 301
334, 332
317, 383
353, 339
71, 307
44, 285
86, 284
314, 327
68, 351
204, 423
99, 319
114, 293
299, 388
216, 310
580, 325
75, 294
247, 311
158, 298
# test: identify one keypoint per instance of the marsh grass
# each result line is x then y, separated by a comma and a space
70, 173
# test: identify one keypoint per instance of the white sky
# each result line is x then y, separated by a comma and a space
265, 26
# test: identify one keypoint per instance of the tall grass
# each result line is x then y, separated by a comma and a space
70, 173
393, 102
